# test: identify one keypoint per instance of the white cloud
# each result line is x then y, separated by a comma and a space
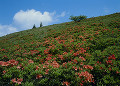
26, 19
63, 14
7, 29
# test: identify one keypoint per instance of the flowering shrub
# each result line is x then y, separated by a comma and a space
68, 54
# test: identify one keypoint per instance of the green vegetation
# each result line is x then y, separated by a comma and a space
84, 53
34, 26
77, 18
41, 24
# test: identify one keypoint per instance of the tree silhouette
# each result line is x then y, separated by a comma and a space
34, 26
41, 24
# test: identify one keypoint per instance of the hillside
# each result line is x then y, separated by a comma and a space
67, 54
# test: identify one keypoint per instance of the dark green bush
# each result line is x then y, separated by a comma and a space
114, 24
34, 26
77, 18
41, 24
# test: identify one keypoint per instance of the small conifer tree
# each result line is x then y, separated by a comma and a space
34, 26
41, 24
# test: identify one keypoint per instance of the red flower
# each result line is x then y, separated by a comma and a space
87, 75
64, 53
75, 68
4, 72
117, 72
75, 54
88, 67
82, 50
37, 67
81, 84
61, 57
81, 63
64, 64
97, 62
111, 57
46, 51
12, 62
49, 58
55, 64
34, 52
109, 61
4, 63
65, 83
30, 61
14, 80
1, 62
39, 55
39, 76
71, 51
110, 69
19, 81
75, 61
83, 59
18, 67
47, 70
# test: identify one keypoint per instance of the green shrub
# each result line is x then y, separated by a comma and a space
114, 24
41, 24
77, 18
34, 26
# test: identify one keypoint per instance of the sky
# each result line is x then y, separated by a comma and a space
19, 15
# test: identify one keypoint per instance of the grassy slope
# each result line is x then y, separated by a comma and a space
99, 36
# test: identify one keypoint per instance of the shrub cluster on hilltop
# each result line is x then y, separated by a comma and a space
78, 18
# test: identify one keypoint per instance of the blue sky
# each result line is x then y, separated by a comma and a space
18, 15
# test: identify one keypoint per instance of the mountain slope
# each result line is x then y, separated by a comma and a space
72, 53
